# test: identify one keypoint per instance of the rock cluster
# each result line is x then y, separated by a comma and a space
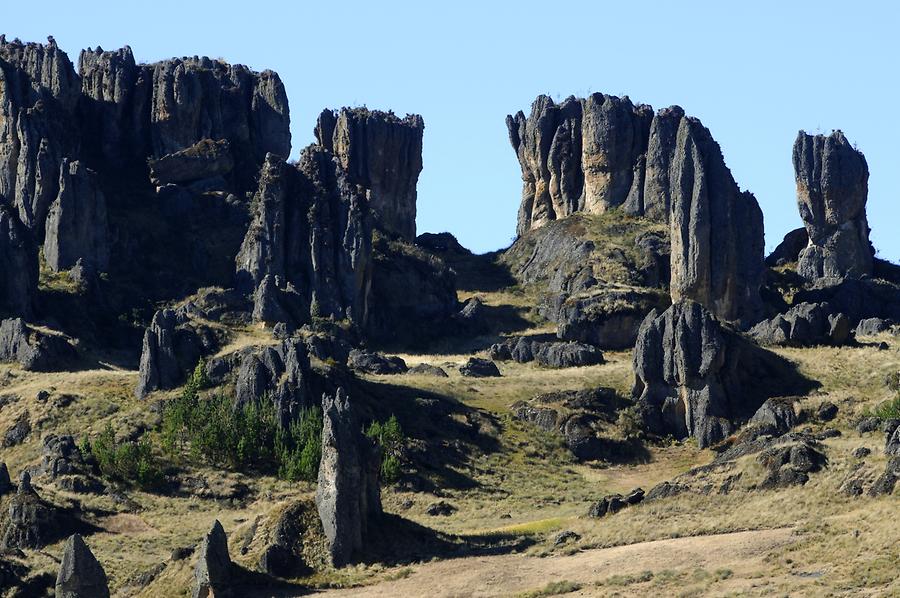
804, 325
375, 363
281, 374
603, 152
613, 503
80, 574
381, 153
29, 521
790, 464
34, 350
348, 496
695, 377
553, 354
169, 353
311, 236
832, 188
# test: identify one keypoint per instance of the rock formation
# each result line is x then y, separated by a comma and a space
804, 325
695, 377
311, 233
788, 251
80, 574
32, 349
170, 351
832, 188
213, 571
29, 521
203, 160
18, 265
348, 496
553, 354
281, 374
382, 153
603, 152
77, 227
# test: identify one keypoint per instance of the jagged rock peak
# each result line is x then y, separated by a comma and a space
832, 187
348, 495
80, 574
213, 571
46, 69
383, 153
312, 234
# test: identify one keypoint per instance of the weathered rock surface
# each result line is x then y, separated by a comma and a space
788, 251
553, 354
34, 350
203, 160
18, 265
477, 367
375, 363
5, 483
776, 416
80, 574
77, 226
311, 233
426, 369
382, 153
280, 374
213, 571
695, 377
790, 464
613, 503
872, 327
832, 188
348, 496
170, 351
804, 325
601, 152
29, 521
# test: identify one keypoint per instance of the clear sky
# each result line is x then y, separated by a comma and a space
753, 72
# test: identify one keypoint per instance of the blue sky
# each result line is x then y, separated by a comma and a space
753, 72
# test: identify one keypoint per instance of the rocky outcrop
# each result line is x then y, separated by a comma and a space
34, 350
832, 188
213, 571
477, 367
77, 227
872, 327
348, 496
39, 92
203, 160
775, 417
18, 265
695, 377
382, 153
790, 464
311, 233
29, 521
553, 354
788, 251
280, 374
170, 351
80, 574
595, 154
375, 363
804, 325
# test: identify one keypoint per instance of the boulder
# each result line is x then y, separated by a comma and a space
348, 496
476, 367
440, 508
280, 374
77, 228
892, 441
872, 327
381, 153
826, 411
832, 187
213, 571
29, 521
375, 363
426, 369
311, 232
695, 377
804, 325
788, 251
18, 265
18, 432
205, 159
80, 574
614, 503
884, 484
776, 416
553, 354
5, 483
789, 464
33, 349
608, 318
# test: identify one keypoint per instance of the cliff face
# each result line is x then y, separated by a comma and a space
603, 152
18, 266
311, 238
381, 153
832, 189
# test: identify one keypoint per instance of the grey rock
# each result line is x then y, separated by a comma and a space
777, 416
892, 442
34, 350
862, 452
440, 509
788, 251
872, 327
694, 377
213, 571
425, 369
77, 228
666, 490
383, 154
29, 521
564, 537
61, 456
804, 325
5, 483
476, 367
348, 495
375, 363
170, 351
312, 233
18, 265
203, 160
832, 188
80, 574
552, 354
280, 374
826, 411
885, 483
18, 432
790, 464
868, 424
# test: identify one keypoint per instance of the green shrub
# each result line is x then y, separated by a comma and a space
888, 409
299, 447
131, 463
389, 436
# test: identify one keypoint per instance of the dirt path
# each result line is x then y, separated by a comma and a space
741, 552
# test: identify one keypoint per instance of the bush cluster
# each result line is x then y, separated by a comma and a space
131, 463
389, 437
